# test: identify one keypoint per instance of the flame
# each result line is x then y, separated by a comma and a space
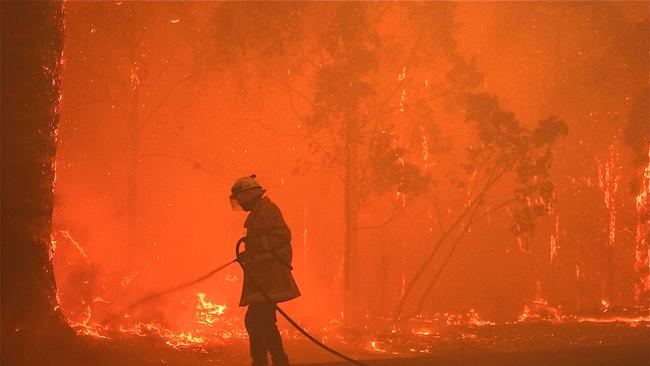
422, 331
428, 324
206, 312
185, 340
374, 346
101, 299
210, 326
178, 341
553, 241
632, 321
402, 101
605, 305
207, 334
425, 147
84, 327
641, 252
539, 309
135, 78
475, 319
51, 250
66, 234
608, 180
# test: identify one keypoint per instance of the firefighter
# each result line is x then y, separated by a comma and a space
267, 259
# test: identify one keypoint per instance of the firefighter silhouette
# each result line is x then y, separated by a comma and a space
267, 259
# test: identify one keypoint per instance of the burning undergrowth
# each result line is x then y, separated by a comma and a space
207, 325
539, 326
194, 321
212, 325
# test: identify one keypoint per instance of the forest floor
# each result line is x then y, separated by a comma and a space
621, 355
531, 343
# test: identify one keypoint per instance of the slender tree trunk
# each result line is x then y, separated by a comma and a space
642, 245
132, 202
578, 293
133, 152
611, 297
133, 165
352, 299
32, 43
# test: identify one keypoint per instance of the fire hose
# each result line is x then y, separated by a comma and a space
257, 287
284, 314
158, 294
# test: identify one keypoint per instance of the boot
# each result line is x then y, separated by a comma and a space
280, 360
260, 362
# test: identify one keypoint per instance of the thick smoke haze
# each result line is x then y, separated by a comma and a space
388, 134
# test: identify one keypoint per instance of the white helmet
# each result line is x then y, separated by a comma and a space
244, 184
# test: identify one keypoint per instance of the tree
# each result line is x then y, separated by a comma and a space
31, 62
359, 112
591, 75
637, 136
345, 125
504, 146
136, 75
346, 105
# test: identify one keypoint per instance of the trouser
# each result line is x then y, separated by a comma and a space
263, 335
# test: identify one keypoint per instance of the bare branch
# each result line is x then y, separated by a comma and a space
495, 175
471, 221
105, 88
195, 163
395, 214
436, 205
275, 130
164, 69
99, 75
292, 89
445, 262
168, 94
492, 210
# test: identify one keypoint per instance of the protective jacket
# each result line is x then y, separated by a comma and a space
267, 257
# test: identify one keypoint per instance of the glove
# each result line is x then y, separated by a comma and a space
243, 257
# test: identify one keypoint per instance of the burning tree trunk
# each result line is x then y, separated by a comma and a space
637, 134
30, 95
608, 181
642, 283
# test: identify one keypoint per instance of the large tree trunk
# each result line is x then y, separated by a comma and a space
32, 43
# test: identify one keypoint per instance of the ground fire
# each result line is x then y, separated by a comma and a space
447, 183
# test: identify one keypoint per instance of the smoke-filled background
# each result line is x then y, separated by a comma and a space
428, 157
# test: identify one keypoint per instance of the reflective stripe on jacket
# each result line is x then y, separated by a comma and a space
267, 256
